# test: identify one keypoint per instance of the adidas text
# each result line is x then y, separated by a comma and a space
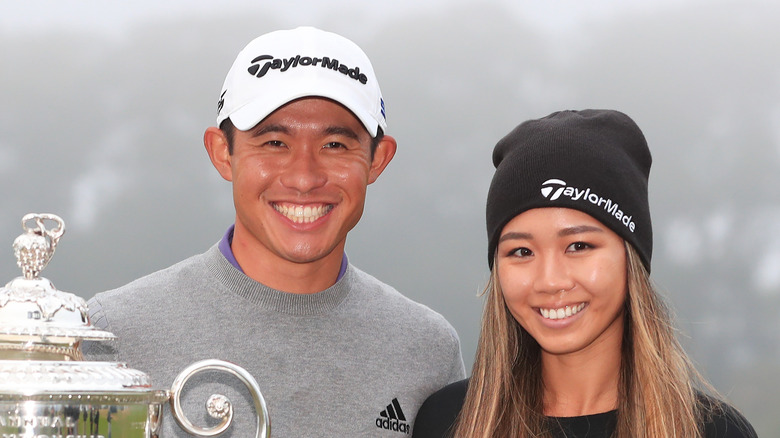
392, 424
259, 69
586, 195
393, 418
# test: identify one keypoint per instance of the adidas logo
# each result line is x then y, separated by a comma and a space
553, 189
393, 418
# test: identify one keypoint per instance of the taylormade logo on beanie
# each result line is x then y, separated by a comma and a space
586, 195
549, 185
279, 67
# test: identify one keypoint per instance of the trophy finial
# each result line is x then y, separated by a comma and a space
37, 321
35, 247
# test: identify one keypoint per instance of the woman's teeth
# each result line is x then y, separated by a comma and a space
563, 312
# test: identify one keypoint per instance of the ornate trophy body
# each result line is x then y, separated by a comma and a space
47, 390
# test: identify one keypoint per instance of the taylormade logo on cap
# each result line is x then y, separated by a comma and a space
553, 189
259, 68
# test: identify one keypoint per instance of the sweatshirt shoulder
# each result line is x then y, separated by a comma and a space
174, 275
385, 303
378, 292
438, 413
149, 294
721, 420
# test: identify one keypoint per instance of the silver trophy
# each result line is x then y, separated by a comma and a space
47, 390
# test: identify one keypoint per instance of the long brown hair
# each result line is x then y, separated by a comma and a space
657, 384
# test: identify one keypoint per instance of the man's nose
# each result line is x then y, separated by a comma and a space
305, 172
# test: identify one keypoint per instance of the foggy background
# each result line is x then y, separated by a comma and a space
104, 105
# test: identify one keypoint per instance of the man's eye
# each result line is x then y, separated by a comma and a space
334, 145
275, 143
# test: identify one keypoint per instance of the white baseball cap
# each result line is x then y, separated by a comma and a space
281, 66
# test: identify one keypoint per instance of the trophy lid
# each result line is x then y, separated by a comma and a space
41, 329
37, 321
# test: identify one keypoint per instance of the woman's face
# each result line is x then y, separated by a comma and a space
563, 275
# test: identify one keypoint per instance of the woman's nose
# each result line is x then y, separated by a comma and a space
553, 275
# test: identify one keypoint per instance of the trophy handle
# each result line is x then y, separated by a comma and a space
218, 406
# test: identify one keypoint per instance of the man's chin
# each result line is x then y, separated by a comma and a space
310, 255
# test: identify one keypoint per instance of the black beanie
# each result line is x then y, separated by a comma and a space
595, 161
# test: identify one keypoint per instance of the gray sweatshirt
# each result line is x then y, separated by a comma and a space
355, 360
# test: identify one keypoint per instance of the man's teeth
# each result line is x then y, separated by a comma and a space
300, 214
563, 312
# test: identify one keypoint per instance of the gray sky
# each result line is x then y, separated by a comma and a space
115, 17
108, 100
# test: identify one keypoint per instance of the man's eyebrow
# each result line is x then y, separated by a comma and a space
514, 235
265, 129
331, 130
342, 130
579, 229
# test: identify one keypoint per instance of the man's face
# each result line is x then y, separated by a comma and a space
299, 180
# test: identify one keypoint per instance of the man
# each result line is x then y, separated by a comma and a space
335, 352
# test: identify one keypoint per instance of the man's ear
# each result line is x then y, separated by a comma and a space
384, 153
216, 144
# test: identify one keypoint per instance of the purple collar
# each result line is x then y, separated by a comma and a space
227, 251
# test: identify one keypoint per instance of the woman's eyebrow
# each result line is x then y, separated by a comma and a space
518, 235
515, 235
579, 229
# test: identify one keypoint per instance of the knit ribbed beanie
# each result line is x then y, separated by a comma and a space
595, 161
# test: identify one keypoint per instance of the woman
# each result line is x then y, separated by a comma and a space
575, 341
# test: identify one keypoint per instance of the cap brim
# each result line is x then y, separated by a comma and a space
253, 112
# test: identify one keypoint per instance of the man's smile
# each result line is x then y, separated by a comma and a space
300, 213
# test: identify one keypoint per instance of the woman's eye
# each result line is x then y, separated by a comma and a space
522, 252
578, 246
